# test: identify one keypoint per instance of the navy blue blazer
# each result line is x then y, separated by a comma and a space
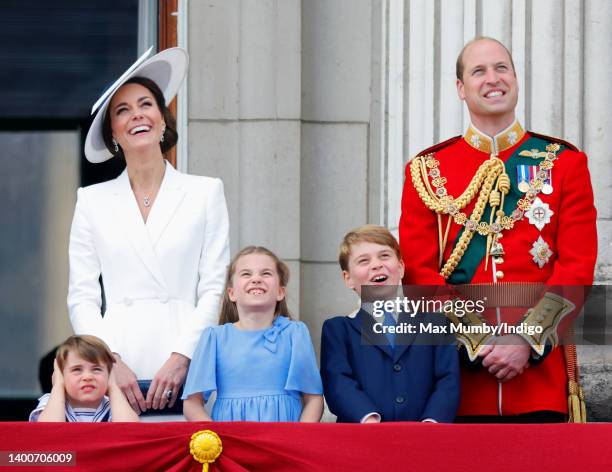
411, 381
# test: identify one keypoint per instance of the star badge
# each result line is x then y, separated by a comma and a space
539, 214
541, 252
512, 137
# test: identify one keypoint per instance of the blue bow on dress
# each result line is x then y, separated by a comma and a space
272, 333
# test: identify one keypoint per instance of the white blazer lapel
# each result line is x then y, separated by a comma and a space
169, 197
130, 219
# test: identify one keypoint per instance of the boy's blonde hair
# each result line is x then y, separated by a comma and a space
90, 348
229, 311
367, 233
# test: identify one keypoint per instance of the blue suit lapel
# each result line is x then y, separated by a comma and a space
363, 324
403, 340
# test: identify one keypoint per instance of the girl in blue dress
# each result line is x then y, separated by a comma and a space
261, 363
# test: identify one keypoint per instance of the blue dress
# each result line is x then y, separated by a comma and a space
258, 375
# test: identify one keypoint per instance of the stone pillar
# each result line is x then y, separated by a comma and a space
595, 128
244, 118
336, 75
294, 104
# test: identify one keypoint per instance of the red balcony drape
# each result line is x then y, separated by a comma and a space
319, 447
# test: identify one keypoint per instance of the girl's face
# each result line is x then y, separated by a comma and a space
256, 284
136, 121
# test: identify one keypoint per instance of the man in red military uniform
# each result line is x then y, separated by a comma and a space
502, 205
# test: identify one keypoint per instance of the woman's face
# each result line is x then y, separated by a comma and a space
136, 121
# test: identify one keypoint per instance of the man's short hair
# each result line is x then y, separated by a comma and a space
90, 348
367, 233
459, 67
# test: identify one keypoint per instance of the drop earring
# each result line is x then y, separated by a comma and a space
116, 146
161, 140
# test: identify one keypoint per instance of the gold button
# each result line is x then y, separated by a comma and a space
499, 274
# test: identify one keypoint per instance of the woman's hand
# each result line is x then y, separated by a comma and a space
170, 378
125, 379
120, 408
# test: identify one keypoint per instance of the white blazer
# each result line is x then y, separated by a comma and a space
163, 280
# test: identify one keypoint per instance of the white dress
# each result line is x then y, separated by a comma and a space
163, 280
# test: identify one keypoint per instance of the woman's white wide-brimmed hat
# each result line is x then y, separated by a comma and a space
166, 68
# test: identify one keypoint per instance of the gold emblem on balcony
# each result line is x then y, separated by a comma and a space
205, 446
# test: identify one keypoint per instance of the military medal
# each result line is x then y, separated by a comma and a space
547, 188
522, 177
523, 186
541, 252
526, 174
539, 214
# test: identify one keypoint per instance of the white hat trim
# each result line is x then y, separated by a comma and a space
120, 80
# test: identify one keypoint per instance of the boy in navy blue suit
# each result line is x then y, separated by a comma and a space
371, 376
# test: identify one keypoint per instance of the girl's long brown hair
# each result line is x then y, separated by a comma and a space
229, 311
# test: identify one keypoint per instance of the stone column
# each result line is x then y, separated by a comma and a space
244, 118
336, 76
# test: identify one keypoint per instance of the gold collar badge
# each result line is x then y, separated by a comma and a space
500, 142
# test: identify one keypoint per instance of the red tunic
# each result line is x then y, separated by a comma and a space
571, 235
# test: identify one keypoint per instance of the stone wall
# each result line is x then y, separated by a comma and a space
308, 110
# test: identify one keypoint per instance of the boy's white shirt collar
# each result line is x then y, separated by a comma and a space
354, 313
369, 310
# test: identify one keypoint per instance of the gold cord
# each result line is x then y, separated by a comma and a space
492, 184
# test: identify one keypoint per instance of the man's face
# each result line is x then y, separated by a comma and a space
489, 86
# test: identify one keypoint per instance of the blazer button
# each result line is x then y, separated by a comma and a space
127, 301
399, 400
397, 367
163, 297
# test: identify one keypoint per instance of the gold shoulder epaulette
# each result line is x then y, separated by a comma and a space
553, 139
437, 147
